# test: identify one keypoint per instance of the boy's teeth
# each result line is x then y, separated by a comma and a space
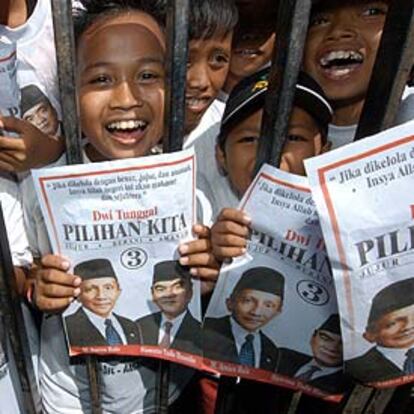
341, 55
124, 125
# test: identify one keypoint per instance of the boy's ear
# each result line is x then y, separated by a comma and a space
221, 160
370, 336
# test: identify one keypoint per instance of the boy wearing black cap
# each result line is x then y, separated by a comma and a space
256, 299
173, 326
390, 327
94, 323
238, 143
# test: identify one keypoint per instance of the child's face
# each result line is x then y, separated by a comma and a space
239, 156
341, 47
208, 64
252, 49
121, 74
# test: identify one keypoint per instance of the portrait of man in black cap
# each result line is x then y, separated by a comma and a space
173, 326
36, 108
94, 323
322, 369
390, 327
256, 299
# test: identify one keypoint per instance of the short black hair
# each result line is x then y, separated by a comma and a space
207, 17
87, 12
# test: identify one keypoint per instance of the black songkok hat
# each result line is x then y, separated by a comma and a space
31, 95
331, 325
94, 269
170, 270
393, 297
249, 94
263, 279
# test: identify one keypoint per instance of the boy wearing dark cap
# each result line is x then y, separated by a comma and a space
238, 143
173, 326
256, 299
390, 327
94, 323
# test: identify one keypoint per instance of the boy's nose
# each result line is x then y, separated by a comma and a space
197, 77
343, 26
126, 96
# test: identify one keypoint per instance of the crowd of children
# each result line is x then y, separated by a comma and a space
120, 64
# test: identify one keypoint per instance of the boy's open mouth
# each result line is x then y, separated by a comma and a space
127, 131
340, 63
197, 104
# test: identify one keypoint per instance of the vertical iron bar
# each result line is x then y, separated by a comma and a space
174, 120
65, 56
391, 70
291, 28
10, 305
176, 68
379, 401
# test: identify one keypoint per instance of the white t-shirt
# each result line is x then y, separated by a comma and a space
10, 395
36, 56
127, 387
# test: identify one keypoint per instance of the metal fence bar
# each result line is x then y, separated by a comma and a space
174, 119
176, 69
65, 52
379, 401
391, 70
10, 305
291, 28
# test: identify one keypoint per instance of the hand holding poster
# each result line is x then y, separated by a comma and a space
273, 316
365, 200
120, 223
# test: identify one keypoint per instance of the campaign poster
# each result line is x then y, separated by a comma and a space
365, 201
273, 316
120, 224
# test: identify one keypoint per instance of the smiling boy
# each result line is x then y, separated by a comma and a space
120, 65
340, 53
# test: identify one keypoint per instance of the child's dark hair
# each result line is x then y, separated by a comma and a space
87, 12
207, 17
326, 5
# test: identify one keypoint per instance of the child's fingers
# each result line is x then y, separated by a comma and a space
56, 262
52, 276
52, 305
228, 252
228, 240
197, 259
230, 227
11, 143
203, 232
234, 215
10, 123
52, 290
195, 246
6, 166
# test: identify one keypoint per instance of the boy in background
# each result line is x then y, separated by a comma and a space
340, 53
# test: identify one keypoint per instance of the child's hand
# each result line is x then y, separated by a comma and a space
31, 149
198, 256
54, 288
229, 234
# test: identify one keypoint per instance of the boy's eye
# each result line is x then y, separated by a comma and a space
100, 79
148, 76
248, 139
220, 59
375, 10
318, 20
295, 138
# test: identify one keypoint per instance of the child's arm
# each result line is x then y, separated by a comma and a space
54, 289
229, 234
31, 149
